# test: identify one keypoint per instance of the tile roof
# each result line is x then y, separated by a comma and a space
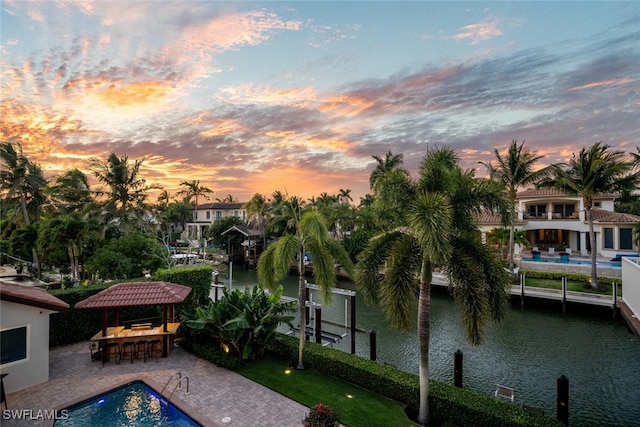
551, 191
29, 295
600, 215
136, 294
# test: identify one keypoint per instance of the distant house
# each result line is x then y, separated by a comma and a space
207, 213
24, 334
555, 221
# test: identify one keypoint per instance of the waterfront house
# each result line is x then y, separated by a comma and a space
207, 213
555, 222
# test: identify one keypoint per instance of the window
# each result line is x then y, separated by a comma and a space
218, 215
236, 214
208, 214
14, 344
608, 238
626, 238
597, 204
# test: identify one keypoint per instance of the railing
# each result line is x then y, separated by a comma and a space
176, 386
631, 284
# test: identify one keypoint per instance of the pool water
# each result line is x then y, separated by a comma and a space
132, 405
575, 262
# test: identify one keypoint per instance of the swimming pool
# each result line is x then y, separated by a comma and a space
574, 262
134, 404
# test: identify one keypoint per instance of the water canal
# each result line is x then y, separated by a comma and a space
528, 351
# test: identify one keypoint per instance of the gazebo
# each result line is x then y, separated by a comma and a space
136, 294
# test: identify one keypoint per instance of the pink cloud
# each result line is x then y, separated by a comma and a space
479, 32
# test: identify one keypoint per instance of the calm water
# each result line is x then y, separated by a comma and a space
528, 351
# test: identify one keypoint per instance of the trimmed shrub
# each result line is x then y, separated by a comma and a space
198, 278
448, 405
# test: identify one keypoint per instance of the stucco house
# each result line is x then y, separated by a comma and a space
555, 221
207, 213
24, 334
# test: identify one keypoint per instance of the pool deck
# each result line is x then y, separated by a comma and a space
218, 395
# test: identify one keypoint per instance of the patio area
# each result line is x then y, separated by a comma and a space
221, 396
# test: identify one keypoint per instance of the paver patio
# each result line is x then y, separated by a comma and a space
219, 395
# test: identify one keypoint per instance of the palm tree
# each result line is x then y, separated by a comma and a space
257, 211
441, 231
194, 190
70, 191
310, 236
126, 191
21, 181
515, 170
594, 170
390, 162
344, 195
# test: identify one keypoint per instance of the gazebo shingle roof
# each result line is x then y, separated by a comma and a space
137, 294
32, 296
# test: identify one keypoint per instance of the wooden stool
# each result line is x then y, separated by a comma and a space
154, 347
113, 349
141, 346
128, 349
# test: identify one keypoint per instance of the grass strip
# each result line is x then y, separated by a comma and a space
357, 406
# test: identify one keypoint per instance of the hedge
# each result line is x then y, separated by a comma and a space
198, 278
448, 405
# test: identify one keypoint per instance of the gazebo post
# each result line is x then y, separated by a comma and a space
104, 334
117, 317
165, 337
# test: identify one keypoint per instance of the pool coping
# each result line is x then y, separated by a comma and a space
149, 382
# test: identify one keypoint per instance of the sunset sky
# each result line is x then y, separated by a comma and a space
297, 96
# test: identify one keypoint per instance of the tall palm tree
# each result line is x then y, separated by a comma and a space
344, 195
257, 211
194, 190
126, 192
441, 231
515, 170
597, 169
21, 182
311, 236
70, 192
389, 162
20, 179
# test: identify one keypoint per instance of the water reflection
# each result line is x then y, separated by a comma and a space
528, 351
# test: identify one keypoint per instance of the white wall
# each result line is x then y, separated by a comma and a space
35, 368
631, 284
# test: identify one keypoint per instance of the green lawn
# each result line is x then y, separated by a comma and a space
572, 285
357, 406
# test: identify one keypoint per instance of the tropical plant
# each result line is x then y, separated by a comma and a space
243, 322
257, 212
441, 231
515, 170
501, 237
310, 236
598, 169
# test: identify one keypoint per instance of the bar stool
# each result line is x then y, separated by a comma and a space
128, 349
154, 347
113, 349
141, 346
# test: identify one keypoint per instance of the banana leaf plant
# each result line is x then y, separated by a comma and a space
244, 322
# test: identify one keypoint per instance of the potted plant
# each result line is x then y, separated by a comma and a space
322, 415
